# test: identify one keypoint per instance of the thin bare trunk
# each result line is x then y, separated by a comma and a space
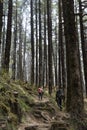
8, 37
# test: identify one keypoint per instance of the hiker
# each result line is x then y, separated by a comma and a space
40, 93
59, 94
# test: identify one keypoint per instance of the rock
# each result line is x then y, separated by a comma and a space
58, 126
3, 124
31, 127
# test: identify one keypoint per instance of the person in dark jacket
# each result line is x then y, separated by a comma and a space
59, 94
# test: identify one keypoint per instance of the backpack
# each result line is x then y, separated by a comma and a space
40, 90
59, 94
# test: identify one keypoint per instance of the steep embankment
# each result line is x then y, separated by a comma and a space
14, 102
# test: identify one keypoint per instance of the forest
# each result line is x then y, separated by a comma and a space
43, 44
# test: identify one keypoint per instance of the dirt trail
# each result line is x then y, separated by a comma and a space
43, 116
31, 120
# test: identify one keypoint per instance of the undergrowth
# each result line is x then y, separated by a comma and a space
15, 99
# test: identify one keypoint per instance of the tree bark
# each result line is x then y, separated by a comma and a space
32, 45
1, 21
14, 46
49, 44
20, 51
74, 102
8, 37
36, 44
40, 46
45, 49
60, 45
83, 43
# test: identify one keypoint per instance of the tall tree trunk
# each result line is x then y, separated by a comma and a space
56, 56
45, 48
24, 59
1, 16
32, 45
18, 65
8, 37
47, 76
36, 45
49, 44
62, 73
20, 51
74, 89
14, 55
60, 43
14, 45
84, 46
40, 46
3, 44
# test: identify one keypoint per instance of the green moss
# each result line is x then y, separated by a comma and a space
12, 117
24, 107
11, 126
4, 109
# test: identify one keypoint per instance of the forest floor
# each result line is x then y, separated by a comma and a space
32, 113
19, 103
45, 116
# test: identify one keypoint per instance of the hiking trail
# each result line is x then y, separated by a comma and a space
45, 116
